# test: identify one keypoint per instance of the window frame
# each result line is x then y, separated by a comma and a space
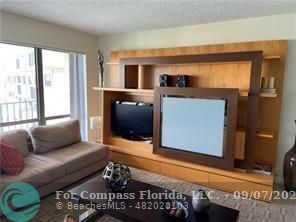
41, 119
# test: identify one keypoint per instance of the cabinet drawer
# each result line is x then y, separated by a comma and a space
241, 187
184, 173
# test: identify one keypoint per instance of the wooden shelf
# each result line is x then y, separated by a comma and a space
112, 63
134, 146
136, 152
242, 93
262, 94
124, 90
263, 133
272, 57
268, 95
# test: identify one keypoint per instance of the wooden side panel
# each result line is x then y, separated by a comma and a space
241, 187
146, 77
242, 112
106, 126
240, 145
188, 174
141, 77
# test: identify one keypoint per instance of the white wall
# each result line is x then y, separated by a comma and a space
19, 29
254, 29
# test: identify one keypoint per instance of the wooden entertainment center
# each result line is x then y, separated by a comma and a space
135, 74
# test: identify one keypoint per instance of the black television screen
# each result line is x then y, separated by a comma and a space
132, 120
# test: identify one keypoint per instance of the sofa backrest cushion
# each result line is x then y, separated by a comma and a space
18, 139
47, 138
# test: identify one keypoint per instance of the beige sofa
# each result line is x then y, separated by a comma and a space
51, 168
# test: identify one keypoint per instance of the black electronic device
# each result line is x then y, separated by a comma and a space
182, 81
164, 80
132, 120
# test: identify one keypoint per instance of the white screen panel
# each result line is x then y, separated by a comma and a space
193, 124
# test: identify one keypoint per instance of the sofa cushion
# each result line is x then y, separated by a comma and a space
38, 171
18, 139
47, 138
79, 155
11, 161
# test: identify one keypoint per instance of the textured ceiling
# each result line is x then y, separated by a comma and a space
105, 17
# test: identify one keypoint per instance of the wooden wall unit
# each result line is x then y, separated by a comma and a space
141, 79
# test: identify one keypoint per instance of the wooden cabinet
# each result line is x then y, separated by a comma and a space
184, 173
138, 85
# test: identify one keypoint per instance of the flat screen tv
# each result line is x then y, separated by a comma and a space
196, 125
132, 120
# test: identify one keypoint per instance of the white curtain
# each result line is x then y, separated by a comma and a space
78, 91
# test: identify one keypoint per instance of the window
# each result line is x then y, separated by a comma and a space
17, 63
47, 80
54, 121
33, 92
56, 83
22, 98
19, 90
31, 59
15, 105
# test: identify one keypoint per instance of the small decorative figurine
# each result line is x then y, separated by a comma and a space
201, 202
101, 67
116, 176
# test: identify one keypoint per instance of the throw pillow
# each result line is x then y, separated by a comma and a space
11, 161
